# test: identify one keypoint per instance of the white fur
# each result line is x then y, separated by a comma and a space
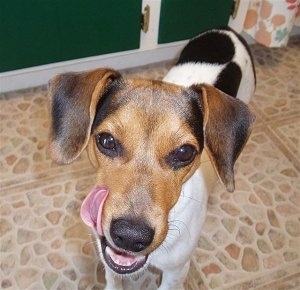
191, 73
188, 215
190, 210
242, 58
186, 220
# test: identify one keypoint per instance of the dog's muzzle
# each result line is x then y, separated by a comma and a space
119, 261
128, 236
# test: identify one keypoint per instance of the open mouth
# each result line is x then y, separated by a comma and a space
121, 262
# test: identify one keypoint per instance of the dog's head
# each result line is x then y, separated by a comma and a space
145, 138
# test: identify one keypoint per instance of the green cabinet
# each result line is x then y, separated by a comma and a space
184, 19
35, 32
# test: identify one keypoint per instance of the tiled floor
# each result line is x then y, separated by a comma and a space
251, 238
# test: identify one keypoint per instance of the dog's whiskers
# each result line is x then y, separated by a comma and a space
189, 197
164, 246
176, 228
183, 223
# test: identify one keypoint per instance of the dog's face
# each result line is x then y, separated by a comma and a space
145, 139
144, 147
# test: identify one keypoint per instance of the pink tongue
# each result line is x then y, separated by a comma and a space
91, 209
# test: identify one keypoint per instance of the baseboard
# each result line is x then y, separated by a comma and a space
39, 75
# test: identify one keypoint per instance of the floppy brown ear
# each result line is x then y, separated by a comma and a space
74, 97
227, 123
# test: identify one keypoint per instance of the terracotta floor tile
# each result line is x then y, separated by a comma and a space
250, 240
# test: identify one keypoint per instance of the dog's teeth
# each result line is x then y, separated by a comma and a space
122, 260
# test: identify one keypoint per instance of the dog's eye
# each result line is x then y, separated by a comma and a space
185, 153
107, 145
107, 141
181, 156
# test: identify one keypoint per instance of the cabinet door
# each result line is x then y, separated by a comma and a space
35, 32
184, 19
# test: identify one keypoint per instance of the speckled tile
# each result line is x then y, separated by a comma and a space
255, 230
285, 134
250, 239
278, 74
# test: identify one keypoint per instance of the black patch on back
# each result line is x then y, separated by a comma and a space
229, 79
210, 47
244, 42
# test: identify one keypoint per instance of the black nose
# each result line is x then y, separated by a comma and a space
131, 235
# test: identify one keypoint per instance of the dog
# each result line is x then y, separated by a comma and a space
158, 147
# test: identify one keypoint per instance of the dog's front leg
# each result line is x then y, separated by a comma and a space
173, 278
113, 282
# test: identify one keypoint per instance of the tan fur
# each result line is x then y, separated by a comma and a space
143, 186
150, 122
85, 88
217, 107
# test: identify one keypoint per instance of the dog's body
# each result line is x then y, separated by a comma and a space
220, 58
146, 138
